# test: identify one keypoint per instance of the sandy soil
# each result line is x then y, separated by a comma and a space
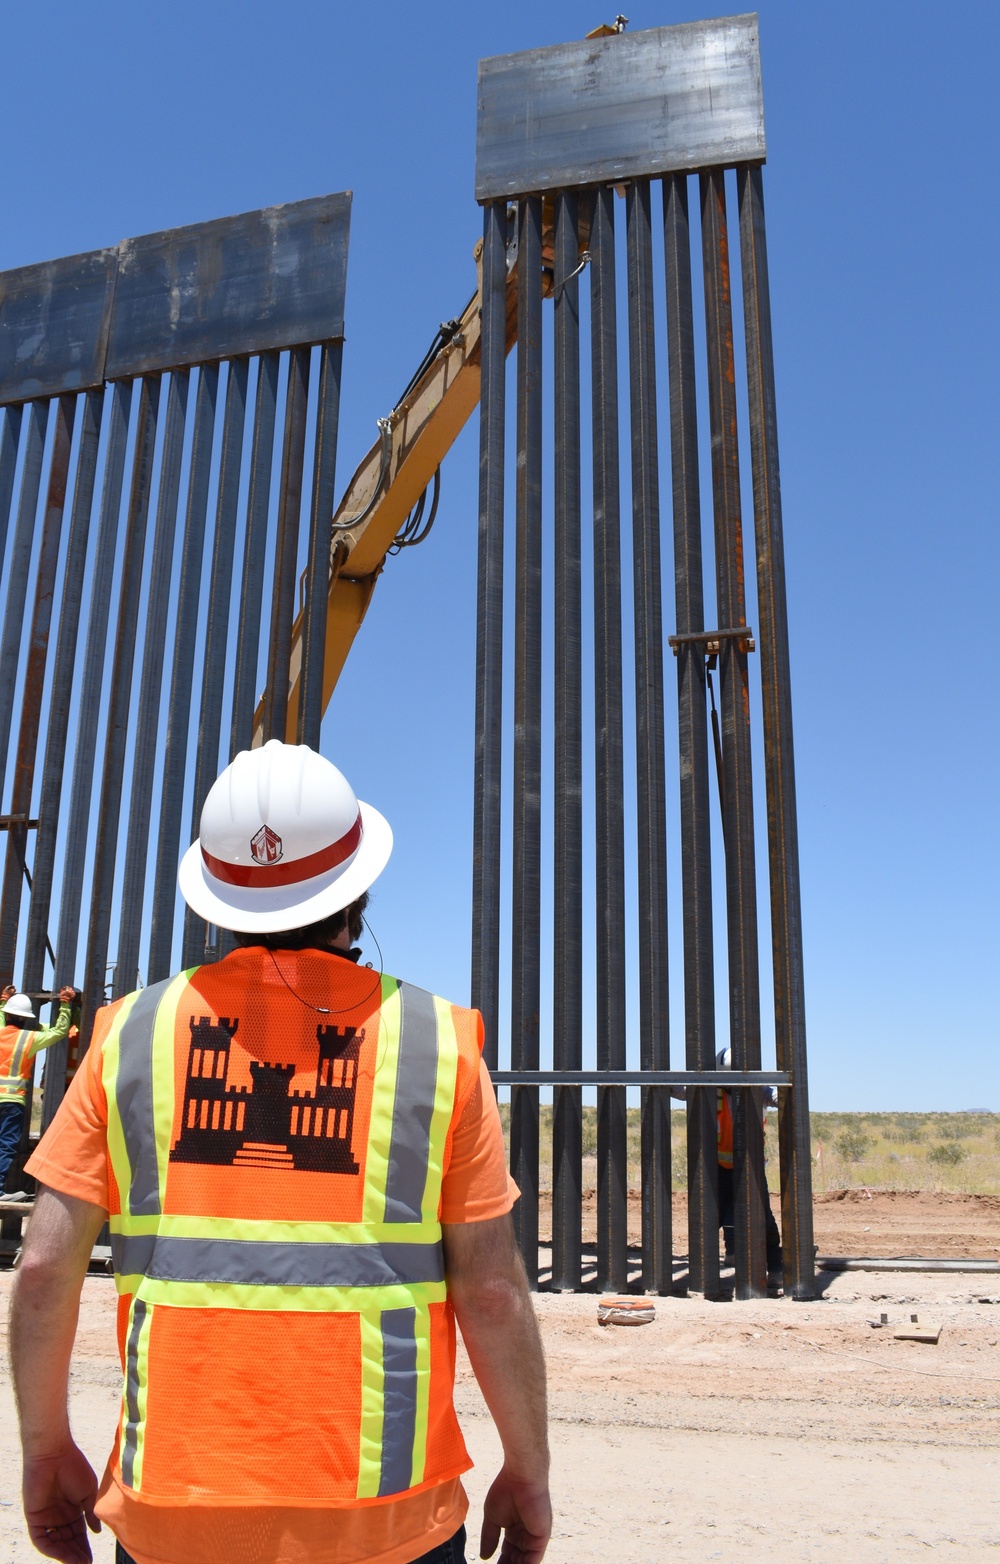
751, 1431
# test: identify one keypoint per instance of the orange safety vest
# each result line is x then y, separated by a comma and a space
725, 1118
19, 1047
288, 1336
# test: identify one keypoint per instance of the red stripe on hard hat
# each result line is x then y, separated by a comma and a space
290, 873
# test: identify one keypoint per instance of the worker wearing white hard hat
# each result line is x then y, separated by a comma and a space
309, 1168
21, 1041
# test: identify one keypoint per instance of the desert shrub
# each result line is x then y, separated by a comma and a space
905, 1134
948, 1155
853, 1145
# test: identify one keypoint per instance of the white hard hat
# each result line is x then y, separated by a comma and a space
724, 1060
284, 843
19, 1005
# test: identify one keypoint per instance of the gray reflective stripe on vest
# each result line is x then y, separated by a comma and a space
399, 1398
416, 1082
132, 1391
267, 1264
134, 1094
20, 1047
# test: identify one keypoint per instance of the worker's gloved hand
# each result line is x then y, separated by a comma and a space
522, 1511
59, 1493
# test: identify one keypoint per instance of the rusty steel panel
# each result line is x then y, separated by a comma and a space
607, 109
54, 322
268, 279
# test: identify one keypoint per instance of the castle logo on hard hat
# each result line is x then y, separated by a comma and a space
266, 846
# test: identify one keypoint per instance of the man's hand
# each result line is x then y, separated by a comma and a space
67, 994
7, 992
59, 1493
522, 1511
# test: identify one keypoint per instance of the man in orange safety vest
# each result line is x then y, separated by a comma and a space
301, 1163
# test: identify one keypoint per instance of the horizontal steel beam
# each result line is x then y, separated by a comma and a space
716, 1078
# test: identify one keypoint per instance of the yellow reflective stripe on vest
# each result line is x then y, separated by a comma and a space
233, 1262
136, 1383
144, 1045
395, 1397
383, 1103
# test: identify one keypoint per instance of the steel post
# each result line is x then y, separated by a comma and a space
16, 572
220, 591
77, 850
489, 631
254, 546
738, 823
779, 762
106, 846
10, 438
612, 1142
286, 548
527, 783
696, 836
181, 676
145, 756
32, 685
318, 568
651, 808
567, 942
54, 761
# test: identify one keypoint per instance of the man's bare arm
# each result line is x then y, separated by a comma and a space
489, 1290
59, 1485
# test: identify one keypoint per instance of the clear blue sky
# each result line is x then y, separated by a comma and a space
118, 119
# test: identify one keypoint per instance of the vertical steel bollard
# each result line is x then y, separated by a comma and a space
106, 849
150, 690
318, 568
489, 631
696, 836
612, 1139
651, 808
254, 545
17, 576
168, 840
526, 888
286, 547
741, 889
779, 762
567, 940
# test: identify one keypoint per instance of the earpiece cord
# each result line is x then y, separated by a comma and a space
325, 1010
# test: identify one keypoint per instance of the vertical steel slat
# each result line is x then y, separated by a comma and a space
109, 814
54, 761
696, 836
612, 1140
779, 759
320, 535
254, 546
33, 685
741, 893
17, 573
77, 852
527, 783
489, 631
150, 690
651, 805
9, 441
286, 548
525, 930
181, 677
567, 944
220, 591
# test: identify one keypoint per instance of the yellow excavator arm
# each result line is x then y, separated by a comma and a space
413, 442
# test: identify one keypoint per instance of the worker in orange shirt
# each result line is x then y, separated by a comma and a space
727, 1190
301, 1162
21, 1041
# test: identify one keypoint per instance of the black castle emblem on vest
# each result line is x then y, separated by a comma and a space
267, 1126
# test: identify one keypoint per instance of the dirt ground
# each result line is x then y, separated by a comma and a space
735, 1431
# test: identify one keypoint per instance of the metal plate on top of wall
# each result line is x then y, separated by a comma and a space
274, 278
606, 109
54, 320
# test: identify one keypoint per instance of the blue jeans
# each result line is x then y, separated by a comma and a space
450, 1552
11, 1120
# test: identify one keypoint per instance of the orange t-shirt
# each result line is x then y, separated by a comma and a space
73, 1159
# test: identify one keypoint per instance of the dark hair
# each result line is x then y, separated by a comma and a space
315, 935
